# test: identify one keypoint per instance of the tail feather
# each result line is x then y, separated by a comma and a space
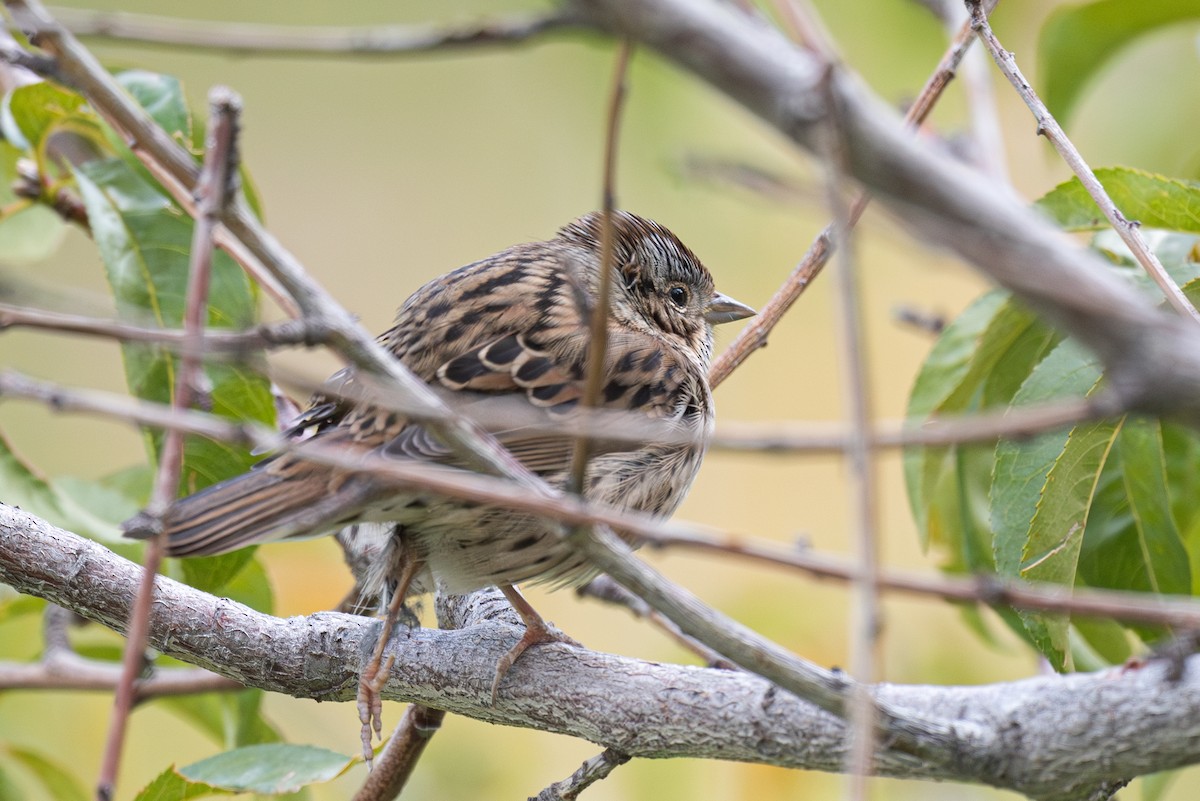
261, 506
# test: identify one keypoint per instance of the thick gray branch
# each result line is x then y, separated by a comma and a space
1056, 737
1153, 358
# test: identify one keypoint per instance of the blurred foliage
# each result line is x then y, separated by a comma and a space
1079, 41
1104, 504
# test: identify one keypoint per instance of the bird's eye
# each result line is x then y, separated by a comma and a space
678, 296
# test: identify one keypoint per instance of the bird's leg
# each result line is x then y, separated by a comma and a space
537, 630
374, 675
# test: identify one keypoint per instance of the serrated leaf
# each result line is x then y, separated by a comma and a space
1077, 41
144, 242
59, 783
987, 353
1154, 201
1132, 542
274, 768
1054, 536
943, 370
1031, 476
1020, 471
171, 786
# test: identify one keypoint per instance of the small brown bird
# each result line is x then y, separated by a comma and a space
510, 329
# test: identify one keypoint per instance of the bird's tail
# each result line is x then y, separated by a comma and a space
256, 507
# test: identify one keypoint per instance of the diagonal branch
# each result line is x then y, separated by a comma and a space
1152, 359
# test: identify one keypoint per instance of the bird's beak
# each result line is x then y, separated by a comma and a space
724, 309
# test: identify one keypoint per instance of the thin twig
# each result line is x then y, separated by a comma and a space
866, 617
461, 484
1128, 606
213, 191
603, 588
776, 437
1128, 230
601, 312
250, 39
69, 671
755, 333
261, 337
591, 771
986, 136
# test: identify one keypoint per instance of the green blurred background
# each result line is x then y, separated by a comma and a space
381, 174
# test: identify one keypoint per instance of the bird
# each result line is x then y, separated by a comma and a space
506, 338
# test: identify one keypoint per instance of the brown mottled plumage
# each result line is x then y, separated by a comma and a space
510, 329
509, 325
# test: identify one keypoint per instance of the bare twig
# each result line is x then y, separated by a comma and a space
384, 41
591, 771
213, 191
755, 333
600, 313
987, 140
267, 335
603, 588
68, 671
1128, 230
866, 617
461, 484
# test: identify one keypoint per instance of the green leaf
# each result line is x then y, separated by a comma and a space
144, 242
162, 97
171, 786
212, 573
1107, 638
21, 485
57, 780
943, 370
9, 791
31, 112
1037, 509
29, 231
20, 606
978, 363
1054, 536
273, 768
231, 720
1155, 785
1132, 542
1077, 41
1155, 201
250, 585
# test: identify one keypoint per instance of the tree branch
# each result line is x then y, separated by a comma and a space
381, 41
1117, 723
1152, 359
